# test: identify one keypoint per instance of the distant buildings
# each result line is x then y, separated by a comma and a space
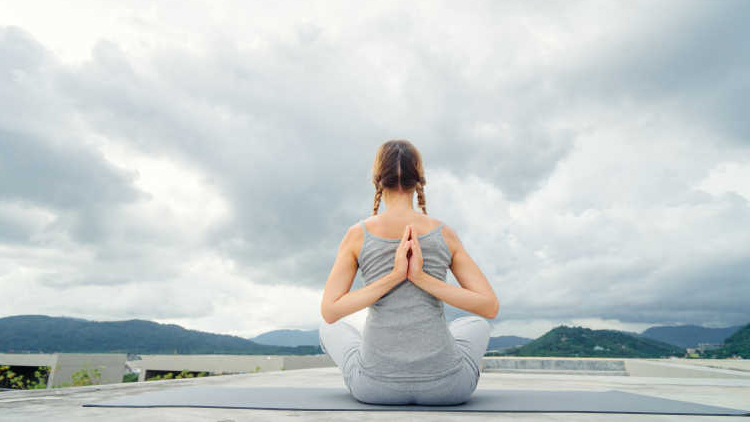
703, 347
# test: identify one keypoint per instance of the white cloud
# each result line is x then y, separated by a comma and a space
200, 164
728, 177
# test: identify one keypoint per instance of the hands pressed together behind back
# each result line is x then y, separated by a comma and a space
475, 294
408, 261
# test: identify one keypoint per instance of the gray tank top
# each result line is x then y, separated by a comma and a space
406, 336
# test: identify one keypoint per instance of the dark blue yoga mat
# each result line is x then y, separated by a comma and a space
483, 400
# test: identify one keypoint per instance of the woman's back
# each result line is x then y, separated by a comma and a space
406, 337
407, 352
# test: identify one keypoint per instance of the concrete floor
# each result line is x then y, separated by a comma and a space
65, 404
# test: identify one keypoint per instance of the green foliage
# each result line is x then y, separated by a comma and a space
183, 374
82, 377
130, 378
44, 334
738, 344
566, 341
15, 380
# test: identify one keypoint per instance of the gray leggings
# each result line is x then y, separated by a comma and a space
341, 341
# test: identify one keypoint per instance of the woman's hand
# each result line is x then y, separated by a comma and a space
415, 260
401, 261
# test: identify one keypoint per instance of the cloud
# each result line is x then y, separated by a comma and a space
683, 58
201, 166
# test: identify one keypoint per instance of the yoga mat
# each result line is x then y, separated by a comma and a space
483, 400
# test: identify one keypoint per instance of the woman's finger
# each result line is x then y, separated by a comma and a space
405, 237
415, 244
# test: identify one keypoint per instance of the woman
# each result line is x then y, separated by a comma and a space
407, 353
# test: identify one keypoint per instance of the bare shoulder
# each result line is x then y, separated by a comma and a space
451, 239
429, 222
353, 239
371, 219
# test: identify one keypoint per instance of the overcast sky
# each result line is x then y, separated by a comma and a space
198, 162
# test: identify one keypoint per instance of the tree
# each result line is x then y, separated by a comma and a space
15, 380
83, 377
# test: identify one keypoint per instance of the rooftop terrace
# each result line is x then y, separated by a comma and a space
724, 384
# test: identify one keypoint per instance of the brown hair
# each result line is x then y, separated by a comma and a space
398, 163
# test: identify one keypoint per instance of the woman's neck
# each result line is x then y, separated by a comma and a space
398, 202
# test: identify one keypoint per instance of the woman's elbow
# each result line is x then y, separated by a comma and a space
493, 309
330, 319
327, 315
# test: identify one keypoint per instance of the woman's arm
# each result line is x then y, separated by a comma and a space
477, 303
475, 294
338, 301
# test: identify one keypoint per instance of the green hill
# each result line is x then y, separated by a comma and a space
738, 344
584, 342
45, 334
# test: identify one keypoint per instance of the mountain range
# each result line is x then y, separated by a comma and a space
682, 336
45, 334
310, 338
289, 338
504, 342
585, 342
689, 335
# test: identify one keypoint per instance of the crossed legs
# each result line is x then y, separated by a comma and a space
342, 341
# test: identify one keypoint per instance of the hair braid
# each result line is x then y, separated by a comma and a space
378, 195
420, 198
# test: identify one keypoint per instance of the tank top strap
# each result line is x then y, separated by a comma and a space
362, 223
